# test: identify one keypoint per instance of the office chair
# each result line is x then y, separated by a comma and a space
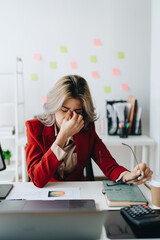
89, 171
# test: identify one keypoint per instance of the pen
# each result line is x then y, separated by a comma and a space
16, 199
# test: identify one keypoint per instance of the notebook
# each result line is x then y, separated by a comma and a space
123, 194
51, 224
4, 190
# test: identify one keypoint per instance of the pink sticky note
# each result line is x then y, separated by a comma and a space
124, 87
37, 56
43, 99
115, 72
97, 42
74, 65
95, 75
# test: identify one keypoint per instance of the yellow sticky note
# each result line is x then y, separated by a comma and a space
63, 49
95, 75
93, 59
107, 89
124, 87
53, 65
34, 77
120, 55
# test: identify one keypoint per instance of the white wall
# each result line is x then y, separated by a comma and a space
155, 82
42, 26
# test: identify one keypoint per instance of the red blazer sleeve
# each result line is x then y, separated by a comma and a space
103, 158
41, 164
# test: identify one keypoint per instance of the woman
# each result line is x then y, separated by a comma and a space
61, 141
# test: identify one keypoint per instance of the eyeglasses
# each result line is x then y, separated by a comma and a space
129, 180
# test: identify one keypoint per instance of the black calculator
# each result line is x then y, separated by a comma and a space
141, 216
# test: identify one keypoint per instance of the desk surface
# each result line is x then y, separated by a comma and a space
88, 190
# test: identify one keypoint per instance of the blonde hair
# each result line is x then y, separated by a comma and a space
71, 86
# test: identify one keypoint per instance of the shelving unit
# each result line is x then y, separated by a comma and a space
12, 171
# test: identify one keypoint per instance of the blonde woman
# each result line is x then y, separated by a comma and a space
61, 140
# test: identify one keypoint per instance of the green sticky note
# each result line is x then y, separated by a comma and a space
53, 65
107, 89
93, 58
120, 55
63, 49
34, 77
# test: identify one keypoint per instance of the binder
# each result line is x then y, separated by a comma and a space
131, 99
123, 194
135, 123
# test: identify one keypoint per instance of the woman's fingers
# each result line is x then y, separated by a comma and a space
141, 169
145, 171
68, 115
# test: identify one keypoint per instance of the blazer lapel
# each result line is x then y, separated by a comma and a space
82, 147
48, 137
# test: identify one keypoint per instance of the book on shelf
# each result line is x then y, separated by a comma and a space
118, 195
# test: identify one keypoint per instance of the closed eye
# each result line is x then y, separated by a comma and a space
78, 111
65, 109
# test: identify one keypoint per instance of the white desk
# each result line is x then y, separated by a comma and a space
143, 141
89, 190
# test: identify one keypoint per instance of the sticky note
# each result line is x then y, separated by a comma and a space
63, 49
115, 72
93, 59
124, 87
34, 77
120, 55
53, 65
95, 75
37, 56
107, 89
44, 99
74, 65
97, 42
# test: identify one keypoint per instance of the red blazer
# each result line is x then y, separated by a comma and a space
42, 164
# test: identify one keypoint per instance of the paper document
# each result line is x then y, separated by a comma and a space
49, 193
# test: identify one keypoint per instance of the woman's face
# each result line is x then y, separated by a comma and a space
72, 104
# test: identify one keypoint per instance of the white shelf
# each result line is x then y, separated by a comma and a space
8, 136
16, 77
10, 167
7, 73
8, 175
141, 140
9, 104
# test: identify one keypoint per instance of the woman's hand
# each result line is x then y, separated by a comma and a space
72, 124
142, 171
